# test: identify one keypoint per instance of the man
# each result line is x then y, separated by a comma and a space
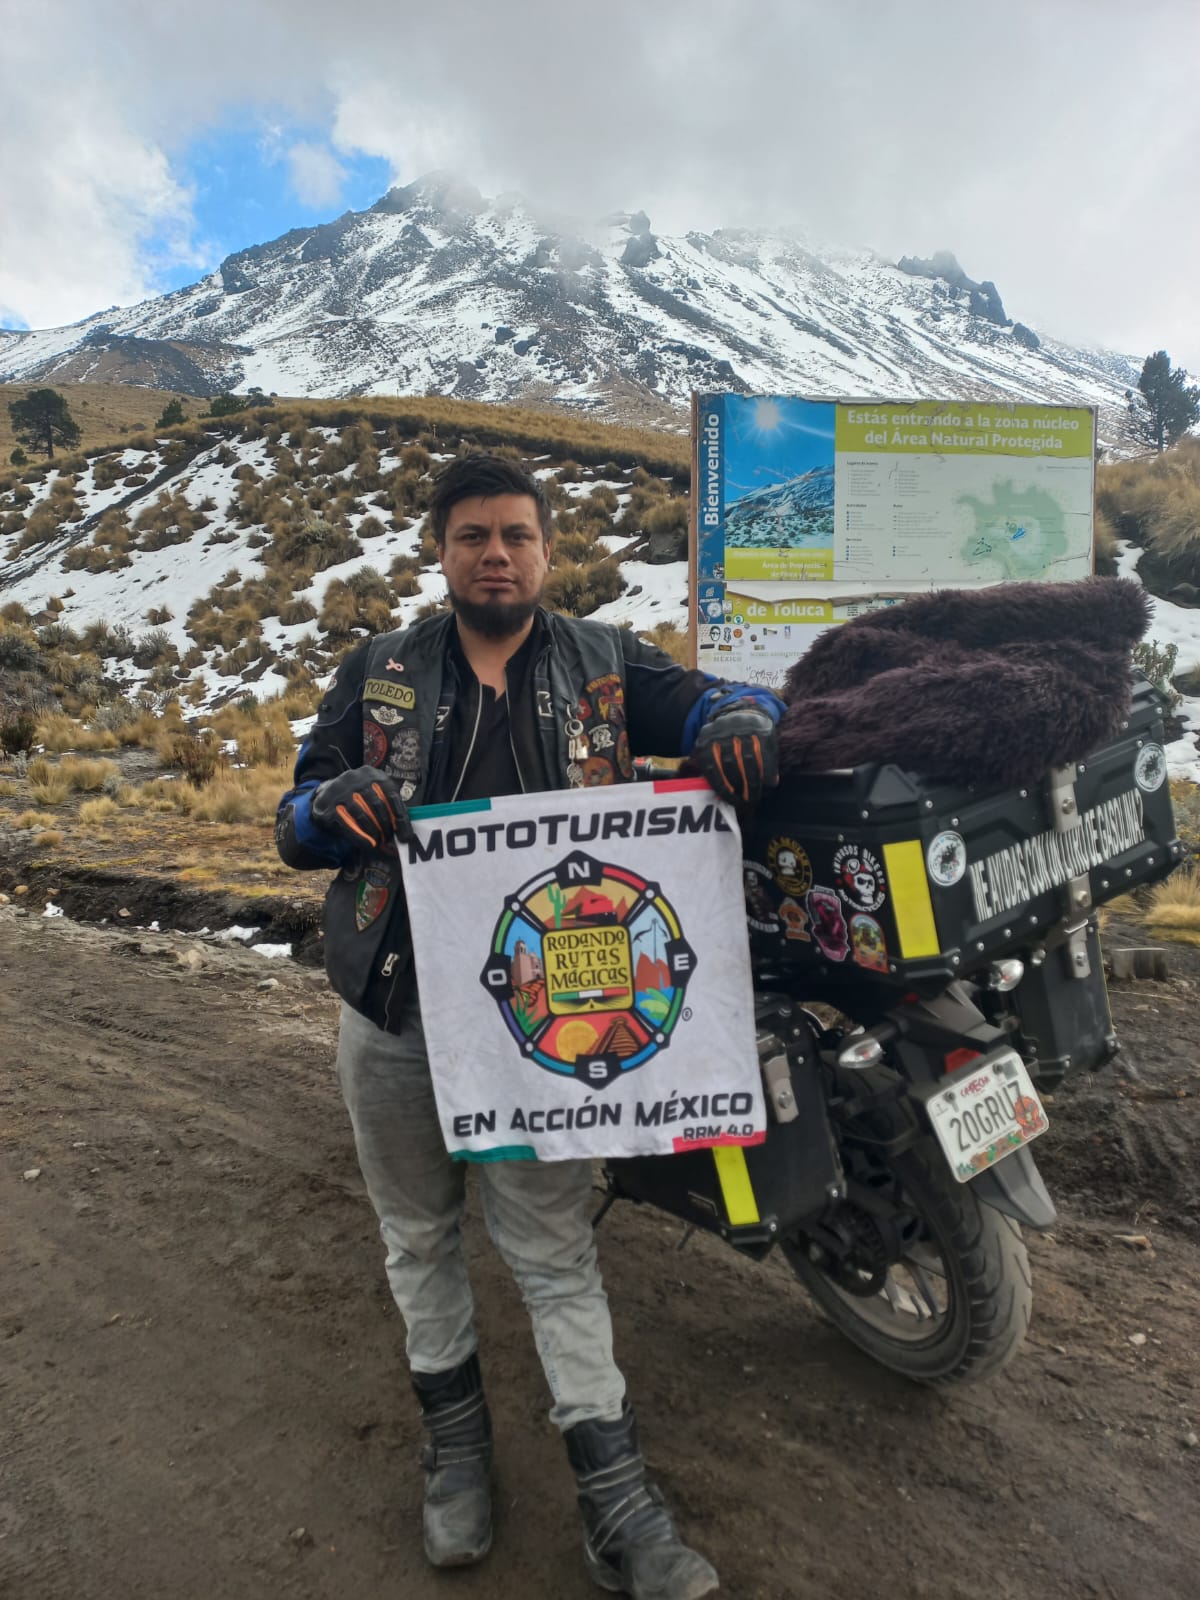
496, 697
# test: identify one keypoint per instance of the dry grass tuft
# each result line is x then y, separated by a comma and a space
52, 791
87, 776
34, 819
248, 795
92, 812
58, 732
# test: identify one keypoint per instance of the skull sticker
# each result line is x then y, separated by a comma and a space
859, 878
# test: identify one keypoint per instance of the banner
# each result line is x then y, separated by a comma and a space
584, 972
828, 508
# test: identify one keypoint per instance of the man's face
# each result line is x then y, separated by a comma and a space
494, 561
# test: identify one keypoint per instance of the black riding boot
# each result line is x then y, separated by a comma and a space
457, 1462
629, 1541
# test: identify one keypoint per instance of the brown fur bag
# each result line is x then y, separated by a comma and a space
987, 686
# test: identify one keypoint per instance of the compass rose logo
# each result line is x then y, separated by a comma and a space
589, 966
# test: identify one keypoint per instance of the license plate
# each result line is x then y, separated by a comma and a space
985, 1112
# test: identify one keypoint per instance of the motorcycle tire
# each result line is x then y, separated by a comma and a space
988, 1288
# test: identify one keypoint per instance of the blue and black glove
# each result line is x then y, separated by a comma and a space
738, 752
363, 807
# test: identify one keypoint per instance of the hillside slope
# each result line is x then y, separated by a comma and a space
251, 553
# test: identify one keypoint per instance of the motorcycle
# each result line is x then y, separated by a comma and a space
927, 965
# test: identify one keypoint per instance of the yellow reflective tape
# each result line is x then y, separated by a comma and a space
904, 864
736, 1189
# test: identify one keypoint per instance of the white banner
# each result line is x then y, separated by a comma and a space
584, 972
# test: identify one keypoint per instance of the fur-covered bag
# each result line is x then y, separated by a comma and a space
988, 686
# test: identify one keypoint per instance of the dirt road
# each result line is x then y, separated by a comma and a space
202, 1391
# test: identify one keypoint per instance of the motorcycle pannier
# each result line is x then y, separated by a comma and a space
873, 874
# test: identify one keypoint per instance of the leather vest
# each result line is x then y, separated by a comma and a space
579, 706
409, 688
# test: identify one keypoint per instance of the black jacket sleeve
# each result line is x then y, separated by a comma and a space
333, 746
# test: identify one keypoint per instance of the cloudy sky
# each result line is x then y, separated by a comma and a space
1052, 144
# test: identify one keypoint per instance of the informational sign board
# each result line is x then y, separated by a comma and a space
807, 512
585, 982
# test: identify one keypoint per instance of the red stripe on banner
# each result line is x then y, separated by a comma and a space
678, 1146
665, 785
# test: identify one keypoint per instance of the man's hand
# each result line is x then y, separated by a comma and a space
363, 807
738, 753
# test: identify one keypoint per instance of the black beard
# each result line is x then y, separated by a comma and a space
494, 619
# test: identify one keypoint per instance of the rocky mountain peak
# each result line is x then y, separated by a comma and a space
407, 297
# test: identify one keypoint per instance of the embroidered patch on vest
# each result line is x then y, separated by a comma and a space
391, 694
606, 693
375, 743
371, 897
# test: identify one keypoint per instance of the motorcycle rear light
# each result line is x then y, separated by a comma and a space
860, 1053
1005, 975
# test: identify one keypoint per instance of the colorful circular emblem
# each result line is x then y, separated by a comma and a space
589, 966
859, 878
946, 858
1150, 768
789, 865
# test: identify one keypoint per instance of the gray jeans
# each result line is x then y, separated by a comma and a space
537, 1213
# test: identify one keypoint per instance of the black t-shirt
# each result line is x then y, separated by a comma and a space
481, 731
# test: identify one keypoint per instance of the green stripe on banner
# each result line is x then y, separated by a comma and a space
502, 1152
452, 808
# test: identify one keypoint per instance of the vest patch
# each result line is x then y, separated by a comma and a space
392, 694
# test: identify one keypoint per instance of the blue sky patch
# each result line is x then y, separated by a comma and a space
253, 183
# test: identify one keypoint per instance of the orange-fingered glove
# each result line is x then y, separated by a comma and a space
364, 807
738, 753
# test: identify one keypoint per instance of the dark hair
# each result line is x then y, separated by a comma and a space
482, 476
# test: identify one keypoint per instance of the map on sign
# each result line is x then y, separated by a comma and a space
1021, 531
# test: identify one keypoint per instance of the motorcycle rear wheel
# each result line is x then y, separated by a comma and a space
957, 1305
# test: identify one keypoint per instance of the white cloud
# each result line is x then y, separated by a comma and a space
1050, 146
77, 217
315, 174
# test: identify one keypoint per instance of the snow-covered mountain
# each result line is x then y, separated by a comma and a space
436, 290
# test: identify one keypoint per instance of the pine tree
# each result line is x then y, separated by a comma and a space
173, 415
42, 420
1169, 404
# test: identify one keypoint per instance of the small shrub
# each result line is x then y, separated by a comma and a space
154, 648
53, 792
1158, 662
92, 812
567, 590
672, 641
34, 819
297, 611
197, 755
18, 733
58, 732
87, 776
158, 615
225, 405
